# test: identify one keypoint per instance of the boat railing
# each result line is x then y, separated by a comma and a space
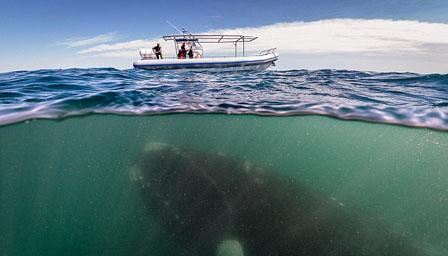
268, 51
204, 57
147, 54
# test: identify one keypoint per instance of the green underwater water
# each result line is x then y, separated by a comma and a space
66, 187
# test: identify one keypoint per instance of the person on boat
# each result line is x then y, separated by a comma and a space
181, 55
157, 50
190, 53
182, 52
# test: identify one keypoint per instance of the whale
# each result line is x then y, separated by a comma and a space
212, 204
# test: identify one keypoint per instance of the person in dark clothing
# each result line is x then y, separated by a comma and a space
157, 51
182, 52
190, 53
180, 55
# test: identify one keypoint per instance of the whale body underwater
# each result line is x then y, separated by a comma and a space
211, 204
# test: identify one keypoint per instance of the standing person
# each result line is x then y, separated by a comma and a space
182, 52
157, 51
190, 53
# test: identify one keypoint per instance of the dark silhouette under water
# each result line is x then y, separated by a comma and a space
202, 199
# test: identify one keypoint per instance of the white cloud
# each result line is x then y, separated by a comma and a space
117, 54
83, 42
348, 36
131, 45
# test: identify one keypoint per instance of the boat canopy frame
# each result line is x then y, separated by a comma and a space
211, 39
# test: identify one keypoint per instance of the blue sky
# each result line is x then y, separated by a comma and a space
33, 32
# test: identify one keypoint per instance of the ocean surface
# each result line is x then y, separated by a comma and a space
375, 144
398, 98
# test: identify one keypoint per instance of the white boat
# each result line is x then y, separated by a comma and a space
260, 62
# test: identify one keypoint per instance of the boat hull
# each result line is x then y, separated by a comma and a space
258, 63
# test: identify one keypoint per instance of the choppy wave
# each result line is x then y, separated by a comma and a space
398, 98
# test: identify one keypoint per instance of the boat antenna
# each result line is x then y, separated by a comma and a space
172, 25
